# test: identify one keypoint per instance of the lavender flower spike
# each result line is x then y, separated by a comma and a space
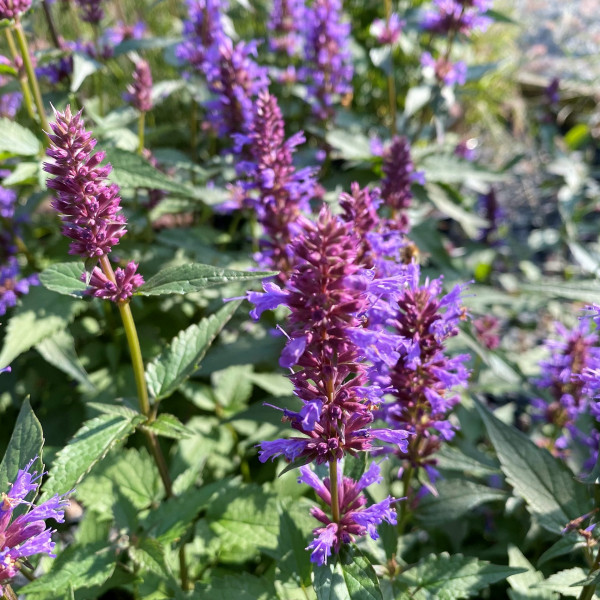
139, 93
27, 534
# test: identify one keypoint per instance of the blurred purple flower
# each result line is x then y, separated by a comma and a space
10, 9
91, 11
139, 92
443, 70
12, 285
387, 32
286, 25
11, 101
456, 16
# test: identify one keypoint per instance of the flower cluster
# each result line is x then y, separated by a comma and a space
457, 16
276, 191
285, 23
11, 9
126, 282
443, 70
89, 205
13, 285
356, 520
570, 376
26, 534
329, 68
139, 92
91, 11
387, 32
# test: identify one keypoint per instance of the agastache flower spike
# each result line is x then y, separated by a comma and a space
139, 93
27, 534
287, 18
89, 205
10, 9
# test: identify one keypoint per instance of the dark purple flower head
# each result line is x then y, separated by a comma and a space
13, 285
443, 70
127, 281
467, 149
203, 29
121, 31
456, 16
329, 66
489, 208
327, 292
399, 173
387, 31
552, 91
487, 329
276, 191
356, 519
10, 9
91, 11
236, 80
8, 199
89, 205
286, 25
26, 534
139, 93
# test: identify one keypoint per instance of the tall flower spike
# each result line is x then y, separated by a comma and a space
90, 206
139, 93
27, 534
287, 18
329, 67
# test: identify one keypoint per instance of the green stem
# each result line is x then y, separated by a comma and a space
393, 103
333, 488
404, 514
587, 593
33, 82
142, 389
141, 122
22, 79
51, 24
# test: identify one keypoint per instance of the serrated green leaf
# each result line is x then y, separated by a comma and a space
169, 426
59, 351
547, 485
150, 556
181, 358
565, 582
80, 567
65, 278
88, 446
449, 168
16, 140
293, 557
185, 279
445, 577
456, 498
347, 576
40, 314
25, 444
132, 171
232, 387
236, 587
523, 585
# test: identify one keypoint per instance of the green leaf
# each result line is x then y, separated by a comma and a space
236, 587
132, 171
293, 556
16, 140
24, 173
546, 484
273, 383
169, 426
150, 556
523, 585
416, 98
25, 444
565, 582
180, 359
83, 67
193, 278
347, 576
65, 278
78, 567
586, 291
566, 544
445, 577
451, 169
456, 498
40, 315
59, 350
88, 446
349, 145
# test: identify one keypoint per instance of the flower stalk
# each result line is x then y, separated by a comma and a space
22, 79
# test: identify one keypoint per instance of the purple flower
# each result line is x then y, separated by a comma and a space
203, 29
10, 9
489, 208
329, 66
10, 102
27, 534
8, 199
91, 11
90, 207
285, 26
387, 31
443, 70
398, 170
127, 281
356, 519
273, 297
467, 149
139, 93
113, 36
12, 285
456, 16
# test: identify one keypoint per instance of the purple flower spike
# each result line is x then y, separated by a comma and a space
329, 69
12, 285
10, 9
356, 519
9, 103
387, 32
91, 11
27, 534
457, 16
285, 26
89, 205
127, 281
139, 93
